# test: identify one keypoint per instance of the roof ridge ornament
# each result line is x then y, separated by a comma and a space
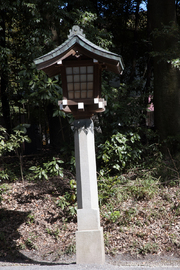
76, 30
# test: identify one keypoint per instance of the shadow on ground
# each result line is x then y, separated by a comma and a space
10, 220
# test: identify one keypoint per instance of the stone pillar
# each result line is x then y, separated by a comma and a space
89, 237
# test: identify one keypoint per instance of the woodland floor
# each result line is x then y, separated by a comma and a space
32, 225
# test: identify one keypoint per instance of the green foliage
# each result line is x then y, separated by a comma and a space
67, 202
71, 249
149, 248
54, 232
12, 142
119, 217
122, 151
144, 189
67, 205
114, 216
89, 22
113, 191
49, 169
44, 89
62, 202
4, 175
31, 218
29, 242
10, 172
39, 172
27, 32
122, 143
54, 168
169, 53
3, 189
126, 105
108, 187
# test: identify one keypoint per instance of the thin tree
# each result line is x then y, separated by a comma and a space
162, 16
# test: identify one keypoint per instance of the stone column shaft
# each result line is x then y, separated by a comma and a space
89, 237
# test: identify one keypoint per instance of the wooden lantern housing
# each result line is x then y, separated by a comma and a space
80, 63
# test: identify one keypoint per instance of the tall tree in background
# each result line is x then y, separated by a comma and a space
4, 72
27, 30
162, 16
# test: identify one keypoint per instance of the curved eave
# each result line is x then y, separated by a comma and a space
48, 61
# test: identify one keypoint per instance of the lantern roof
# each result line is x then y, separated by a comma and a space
78, 44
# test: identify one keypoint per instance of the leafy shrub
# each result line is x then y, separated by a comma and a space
3, 189
14, 143
121, 151
4, 175
51, 168
108, 188
143, 189
67, 202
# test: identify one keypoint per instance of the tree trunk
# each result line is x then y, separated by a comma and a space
166, 77
59, 129
4, 77
135, 43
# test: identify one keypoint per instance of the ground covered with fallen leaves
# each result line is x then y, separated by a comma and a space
33, 225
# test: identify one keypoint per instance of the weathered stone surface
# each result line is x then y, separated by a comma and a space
88, 219
87, 193
89, 237
90, 247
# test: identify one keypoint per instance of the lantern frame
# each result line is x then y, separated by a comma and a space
81, 98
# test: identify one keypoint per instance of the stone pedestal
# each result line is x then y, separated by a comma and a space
89, 237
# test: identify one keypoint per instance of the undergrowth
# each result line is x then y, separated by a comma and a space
130, 199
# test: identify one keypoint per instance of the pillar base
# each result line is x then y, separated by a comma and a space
88, 219
90, 247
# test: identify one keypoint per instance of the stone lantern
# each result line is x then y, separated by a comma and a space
80, 63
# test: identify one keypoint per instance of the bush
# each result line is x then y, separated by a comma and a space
121, 151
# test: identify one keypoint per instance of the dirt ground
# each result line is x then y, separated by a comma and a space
33, 228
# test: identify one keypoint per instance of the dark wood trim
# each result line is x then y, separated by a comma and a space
64, 82
77, 63
89, 101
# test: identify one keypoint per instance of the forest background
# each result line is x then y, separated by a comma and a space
137, 137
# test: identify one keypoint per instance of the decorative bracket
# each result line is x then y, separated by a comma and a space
100, 102
82, 108
76, 30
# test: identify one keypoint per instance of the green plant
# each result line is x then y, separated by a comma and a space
71, 249
29, 243
62, 202
106, 239
54, 233
51, 168
39, 172
13, 143
66, 205
108, 187
72, 163
22, 246
148, 248
176, 208
4, 175
73, 187
143, 189
3, 189
31, 218
10, 172
114, 216
67, 202
121, 151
